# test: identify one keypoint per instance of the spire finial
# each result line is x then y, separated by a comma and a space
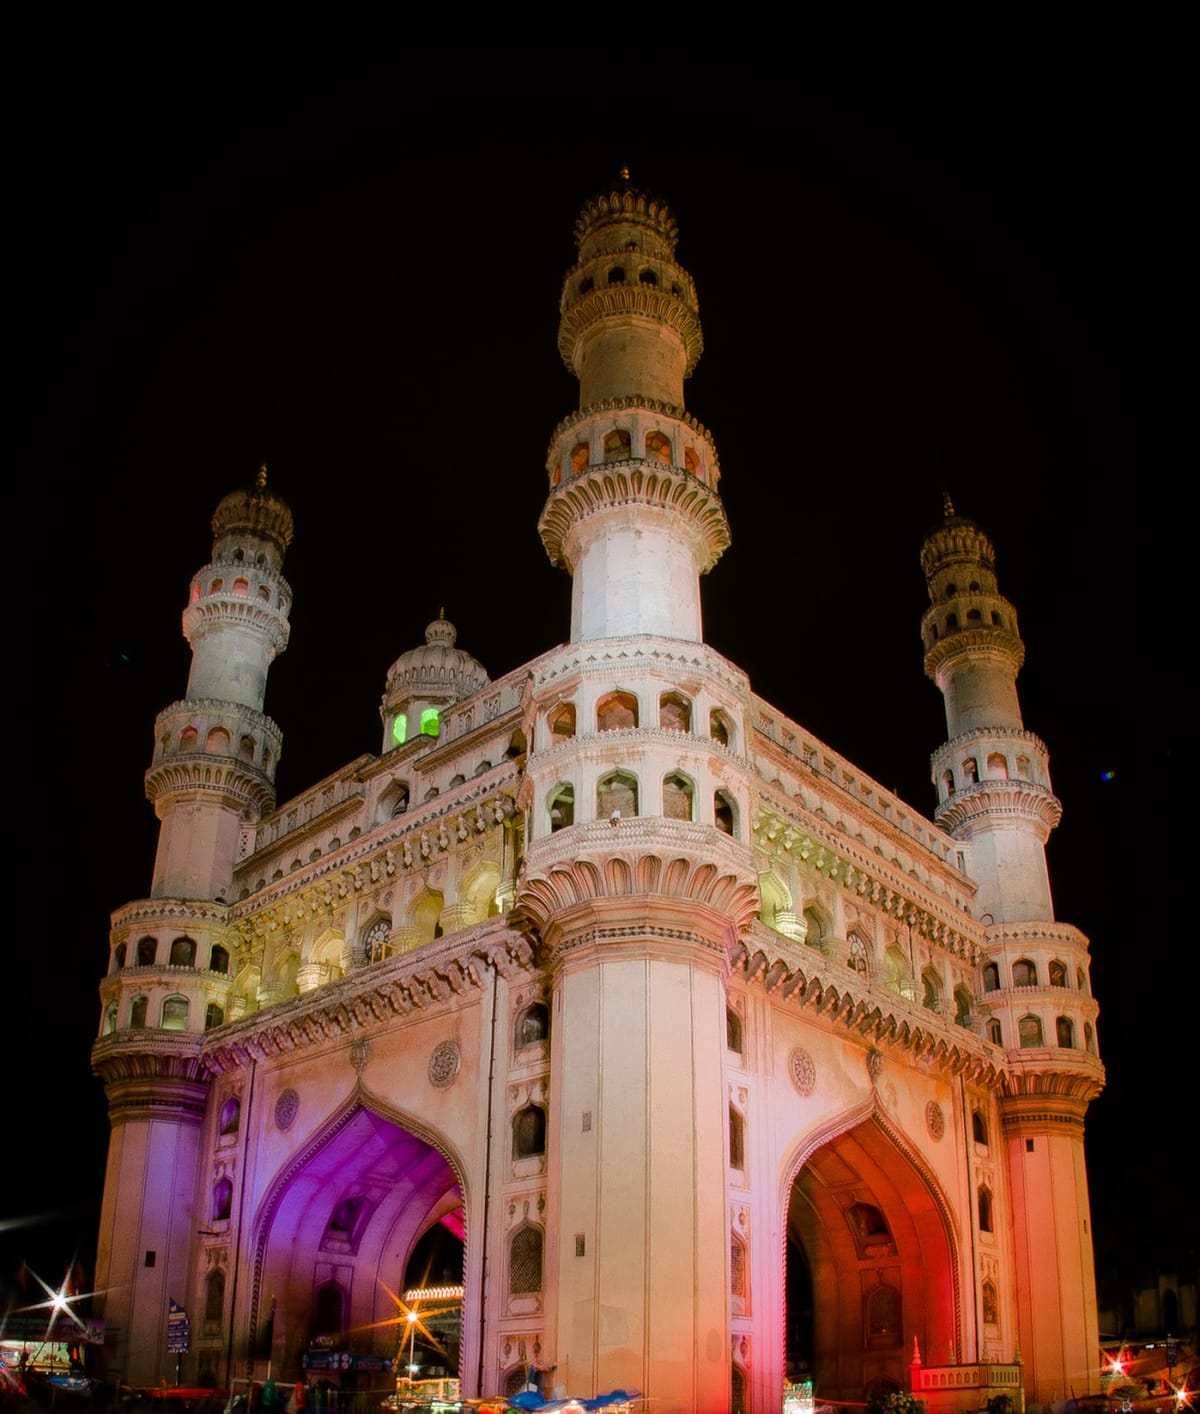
261, 479
624, 174
947, 505
442, 612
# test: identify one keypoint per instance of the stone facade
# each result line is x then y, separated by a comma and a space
721, 1062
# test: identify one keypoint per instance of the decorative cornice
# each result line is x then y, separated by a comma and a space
216, 611
878, 1020
975, 642
648, 301
1038, 1094
151, 1075
636, 482
631, 402
233, 783
999, 799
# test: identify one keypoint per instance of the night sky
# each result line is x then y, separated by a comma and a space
353, 274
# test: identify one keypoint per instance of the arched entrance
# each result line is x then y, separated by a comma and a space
364, 1214
870, 1264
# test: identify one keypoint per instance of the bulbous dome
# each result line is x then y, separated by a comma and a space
254, 521
437, 669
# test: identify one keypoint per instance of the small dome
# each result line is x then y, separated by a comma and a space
437, 670
253, 513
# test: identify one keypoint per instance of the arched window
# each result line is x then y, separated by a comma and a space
430, 721
994, 1034
859, 955
1089, 1038
647, 277
677, 797
218, 960
1029, 1029
616, 275
866, 1222
529, 1132
175, 1014
1024, 973
343, 1221
616, 445
991, 977
189, 739
733, 1031
222, 1199
990, 1305
110, 1019
997, 766
947, 784
183, 952
147, 952
617, 797
217, 742
400, 728
1058, 974
533, 1024
931, 987
1081, 979
562, 721
737, 1139
525, 1261
720, 728
214, 1015
1064, 1032
674, 712
562, 807
970, 770
581, 454
658, 448
118, 958
978, 1128
962, 1007
214, 1295
241, 587
616, 711
691, 462
231, 1115
724, 812
737, 1267
814, 928
985, 1209
1024, 769
137, 1013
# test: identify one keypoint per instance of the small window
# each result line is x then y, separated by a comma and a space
183, 952
533, 1025
147, 952
994, 1033
1024, 973
962, 1007
733, 1031
118, 958
647, 277
1029, 1030
137, 1013
724, 814
677, 797
581, 455
985, 1209
720, 728
616, 445
222, 1202
525, 1262
529, 1132
997, 766
175, 1014
1064, 1033
617, 797
562, 807
1089, 1038
978, 1128
562, 721
214, 1015
430, 721
616, 275
947, 784
990, 1305
218, 959
931, 985
737, 1140
616, 712
674, 713
110, 1019
230, 1116
214, 1295
991, 977
970, 770
658, 448
400, 728
1058, 974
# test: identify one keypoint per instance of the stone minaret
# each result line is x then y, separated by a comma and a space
172, 959
635, 879
633, 511
993, 784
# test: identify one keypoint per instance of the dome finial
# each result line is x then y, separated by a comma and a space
947, 505
624, 174
261, 479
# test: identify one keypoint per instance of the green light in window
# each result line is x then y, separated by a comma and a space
429, 721
400, 729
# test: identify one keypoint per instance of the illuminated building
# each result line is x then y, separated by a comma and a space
725, 1065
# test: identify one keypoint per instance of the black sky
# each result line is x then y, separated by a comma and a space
353, 273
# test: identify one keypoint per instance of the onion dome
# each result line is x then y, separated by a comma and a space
437, 671
254, 521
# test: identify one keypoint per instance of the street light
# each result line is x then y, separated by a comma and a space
412, 1338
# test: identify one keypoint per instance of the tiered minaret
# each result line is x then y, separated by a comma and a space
993, 784
171, 975
633, 511
635, 879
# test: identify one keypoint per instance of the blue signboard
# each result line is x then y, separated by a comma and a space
178, 1329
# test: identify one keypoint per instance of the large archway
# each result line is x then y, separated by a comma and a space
343, 1231
870, 1265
